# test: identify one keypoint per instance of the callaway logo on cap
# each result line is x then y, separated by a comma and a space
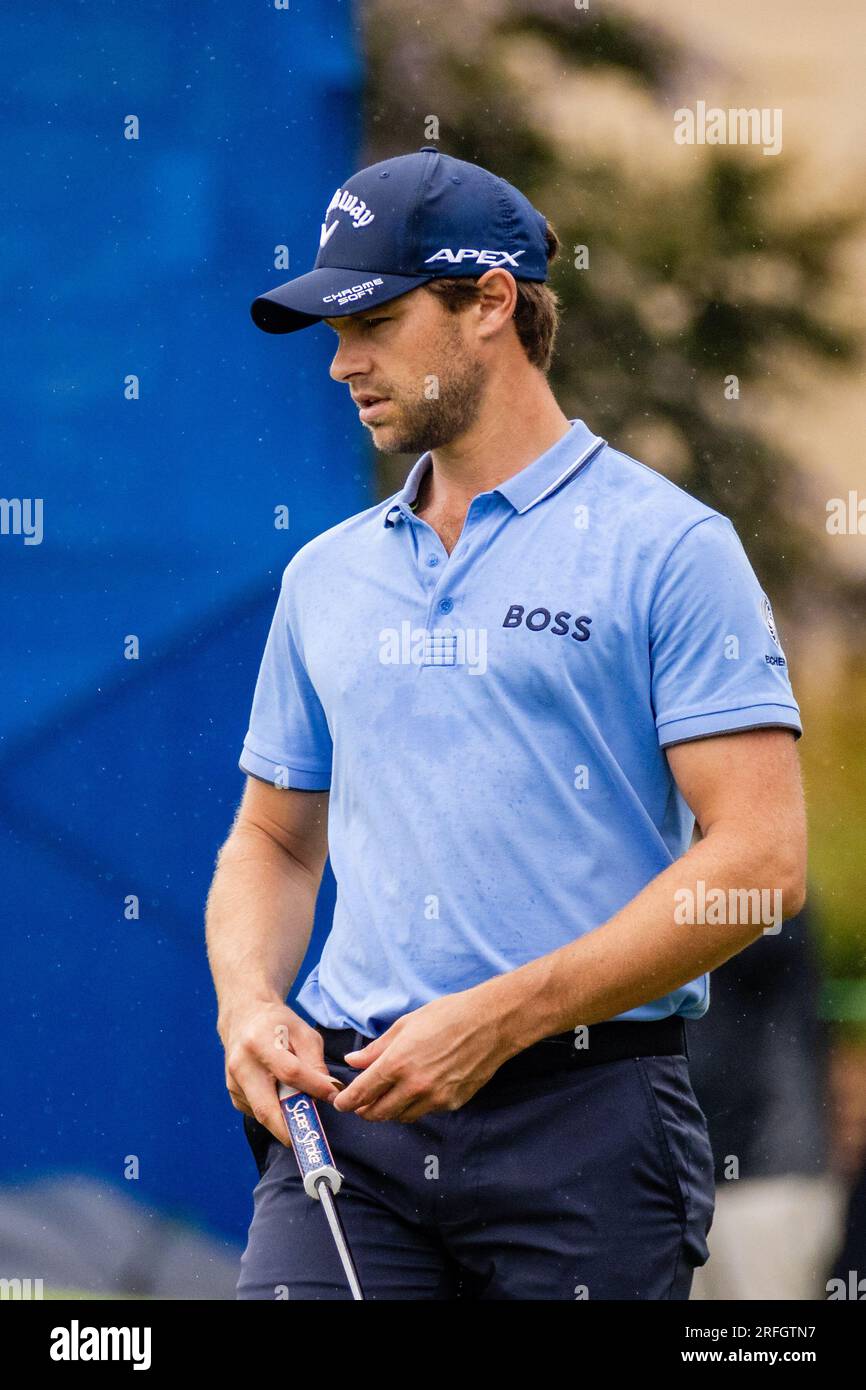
401, 223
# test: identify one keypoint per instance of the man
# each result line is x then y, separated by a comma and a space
521, 679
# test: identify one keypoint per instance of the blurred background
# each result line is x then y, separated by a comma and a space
163, 165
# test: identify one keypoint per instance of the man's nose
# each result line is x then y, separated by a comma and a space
349, 359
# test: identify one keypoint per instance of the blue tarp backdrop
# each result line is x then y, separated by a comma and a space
139, 258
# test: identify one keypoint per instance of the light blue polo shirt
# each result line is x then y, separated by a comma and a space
492, 724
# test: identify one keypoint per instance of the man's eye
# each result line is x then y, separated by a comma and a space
374, 323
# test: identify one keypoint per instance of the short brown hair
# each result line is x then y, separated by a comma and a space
536, 314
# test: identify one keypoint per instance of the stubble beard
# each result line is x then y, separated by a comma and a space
430, 424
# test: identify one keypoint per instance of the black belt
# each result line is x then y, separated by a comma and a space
600, 1042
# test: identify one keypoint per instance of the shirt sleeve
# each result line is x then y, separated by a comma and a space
716, 655
288, 741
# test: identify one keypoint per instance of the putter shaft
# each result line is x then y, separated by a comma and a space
326, 1197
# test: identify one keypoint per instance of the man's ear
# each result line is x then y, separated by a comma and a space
497, 298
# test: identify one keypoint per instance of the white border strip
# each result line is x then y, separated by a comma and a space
596, 444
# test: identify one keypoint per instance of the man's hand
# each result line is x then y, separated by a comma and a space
266, 1043
434, 1058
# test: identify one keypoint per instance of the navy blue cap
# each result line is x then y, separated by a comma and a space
399, 224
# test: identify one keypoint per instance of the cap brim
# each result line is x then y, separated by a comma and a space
327, 293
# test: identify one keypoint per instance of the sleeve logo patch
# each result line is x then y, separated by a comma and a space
767, 614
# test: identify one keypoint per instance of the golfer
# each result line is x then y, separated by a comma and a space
500, 700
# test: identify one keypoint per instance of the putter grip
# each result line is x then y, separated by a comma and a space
315, 1159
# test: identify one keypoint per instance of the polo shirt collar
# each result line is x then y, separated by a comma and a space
532, 484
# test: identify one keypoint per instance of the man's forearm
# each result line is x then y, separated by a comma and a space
259, 920
643, 952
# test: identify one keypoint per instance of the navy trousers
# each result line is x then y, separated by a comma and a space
562, 1178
